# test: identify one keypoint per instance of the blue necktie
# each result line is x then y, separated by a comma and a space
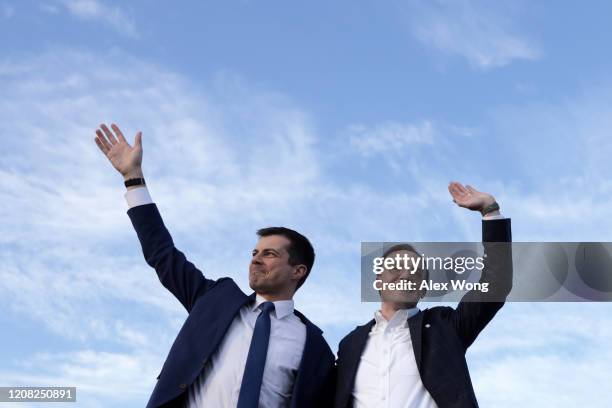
256, 360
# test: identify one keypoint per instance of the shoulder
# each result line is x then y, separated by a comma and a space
310, 326
313, 333
226, 284
354, 334
438, 313
221, 291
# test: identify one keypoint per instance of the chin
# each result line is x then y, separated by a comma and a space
258, 286
253, 285
400, 297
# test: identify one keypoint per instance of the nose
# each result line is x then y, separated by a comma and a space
404, 274
256, 259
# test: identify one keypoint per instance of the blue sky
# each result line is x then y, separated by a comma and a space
344, 120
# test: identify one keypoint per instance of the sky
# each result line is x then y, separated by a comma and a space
343, 120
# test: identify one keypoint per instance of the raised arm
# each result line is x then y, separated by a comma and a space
477, 308
176, 273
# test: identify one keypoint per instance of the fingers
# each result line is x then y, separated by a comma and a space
456, 189
100, 145
461, 188
101, 139
471, 189
138, 139
118, 133
108, 134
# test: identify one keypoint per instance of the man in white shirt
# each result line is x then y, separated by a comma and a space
411, 358
234, 350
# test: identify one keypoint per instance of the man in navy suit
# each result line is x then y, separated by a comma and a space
411, 358
234, 350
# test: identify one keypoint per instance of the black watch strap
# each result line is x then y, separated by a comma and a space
135, 182
489, 209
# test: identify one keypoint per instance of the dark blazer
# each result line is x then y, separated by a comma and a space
212, 306
441, 335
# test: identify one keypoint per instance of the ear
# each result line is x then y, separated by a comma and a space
422, 293
299, 271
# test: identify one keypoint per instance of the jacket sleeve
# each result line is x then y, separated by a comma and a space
175, 272
477, 308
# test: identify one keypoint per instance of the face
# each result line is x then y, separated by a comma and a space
269, 271
397, 275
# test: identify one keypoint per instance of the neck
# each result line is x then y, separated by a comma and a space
388, 309
275, 297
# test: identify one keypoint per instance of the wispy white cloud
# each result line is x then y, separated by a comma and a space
482, 32
556, 155
101, 378
545, 355
389, 137
98, 10
49, 8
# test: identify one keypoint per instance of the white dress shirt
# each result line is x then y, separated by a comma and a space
388, 376
218, 385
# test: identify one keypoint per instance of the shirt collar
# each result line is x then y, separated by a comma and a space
282, 308
399, 318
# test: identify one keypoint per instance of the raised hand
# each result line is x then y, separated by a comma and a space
125, 159
468, 197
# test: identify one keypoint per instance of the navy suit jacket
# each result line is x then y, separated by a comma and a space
212, 306
441, 335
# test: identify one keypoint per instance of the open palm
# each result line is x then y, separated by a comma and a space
468, 197
122, 156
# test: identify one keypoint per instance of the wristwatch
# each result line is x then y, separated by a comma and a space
135, 182
490, 208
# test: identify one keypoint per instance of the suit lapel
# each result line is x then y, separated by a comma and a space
351, 359
415, 324
309, 362
214, 315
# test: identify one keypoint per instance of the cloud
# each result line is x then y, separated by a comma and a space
556, 360
49, 8
556, 157
389, 137
480, 32
101, 378
96, 10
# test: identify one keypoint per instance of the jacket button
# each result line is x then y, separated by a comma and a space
183, 386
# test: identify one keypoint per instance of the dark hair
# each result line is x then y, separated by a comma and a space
300, 250
405, 247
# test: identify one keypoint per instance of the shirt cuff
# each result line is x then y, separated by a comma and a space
138, 196
493, 217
